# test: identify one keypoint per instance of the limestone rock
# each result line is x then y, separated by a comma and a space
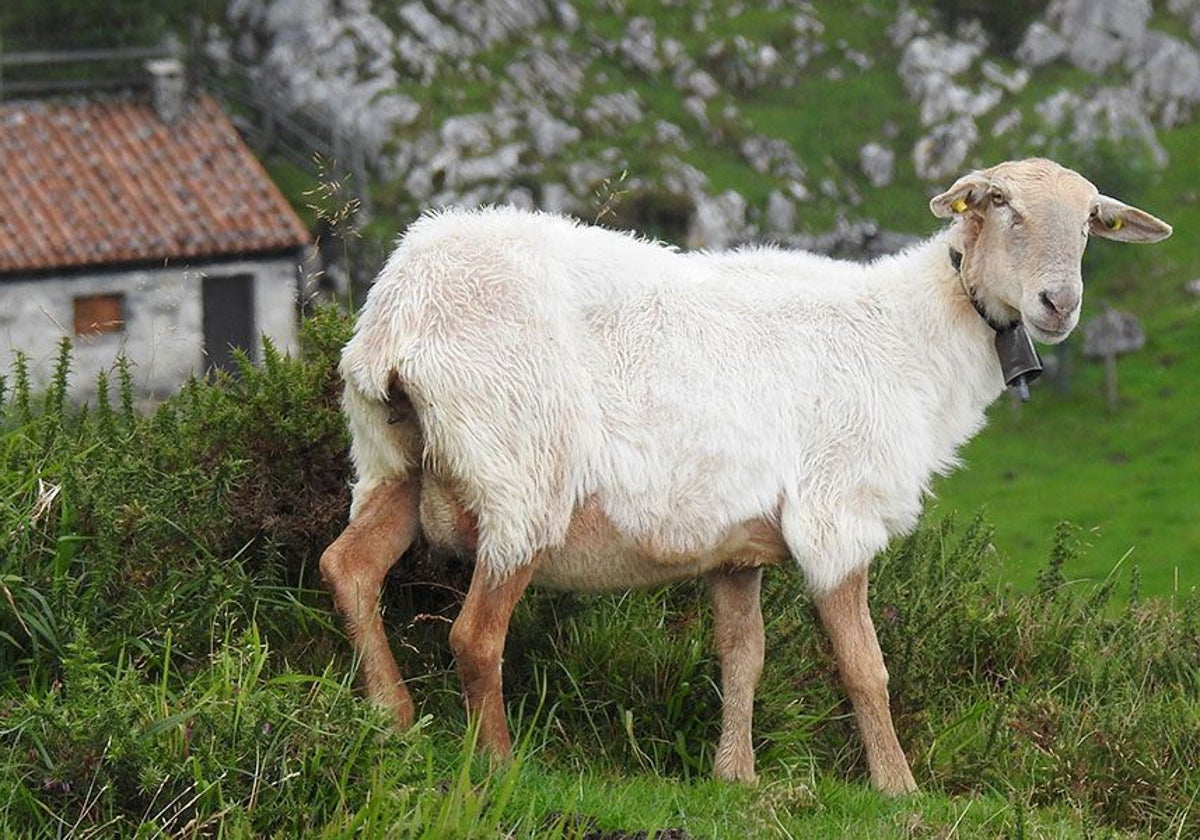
718, 222
928, 67
639, 47
1013, 82
1099, 35
781, 213
614, 110
548, 134
909, 24
941, 153
1041, 46
878, 163
703, 84
1113, 114
1168, 75
1007, 123
767, 155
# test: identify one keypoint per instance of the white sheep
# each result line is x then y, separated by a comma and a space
584, 409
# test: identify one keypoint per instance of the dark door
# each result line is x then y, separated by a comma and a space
228, 318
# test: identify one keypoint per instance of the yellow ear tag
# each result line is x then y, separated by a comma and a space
959, 206
1116, 224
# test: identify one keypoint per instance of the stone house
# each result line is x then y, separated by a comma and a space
142, 226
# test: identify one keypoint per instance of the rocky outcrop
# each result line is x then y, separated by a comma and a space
553, 127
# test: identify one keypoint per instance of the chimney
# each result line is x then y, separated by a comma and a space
167, 87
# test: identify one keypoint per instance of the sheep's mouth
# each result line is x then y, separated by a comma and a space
1047, 335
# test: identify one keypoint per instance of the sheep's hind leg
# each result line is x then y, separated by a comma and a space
738, 637
354, 567
477, 639
847, 620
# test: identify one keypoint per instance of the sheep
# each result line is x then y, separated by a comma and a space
584, 409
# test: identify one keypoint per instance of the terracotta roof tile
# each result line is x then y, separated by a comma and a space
88, 182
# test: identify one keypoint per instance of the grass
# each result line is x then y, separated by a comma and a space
168, 667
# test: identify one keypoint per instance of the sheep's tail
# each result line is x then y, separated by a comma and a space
385, 431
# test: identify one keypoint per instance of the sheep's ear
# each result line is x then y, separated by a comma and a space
1113, 219
968, 191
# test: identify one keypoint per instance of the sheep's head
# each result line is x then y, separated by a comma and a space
1023, 228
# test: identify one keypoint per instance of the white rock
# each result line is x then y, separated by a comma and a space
718, 222
1100, 34
1041, 45
908, 24
519, 197
781, 213
553, 74
943, 152
548, 134
702, 84
1114, 114
468, 133
767, 155
556, 198
567, 16
584, 175
877, 162
683, 179
669, 134
501, 165
696, 107
1007, 123
431, 32
1013, 82
1169, 76
935, 55
639, 46
1189, 11
798, 191
614, 110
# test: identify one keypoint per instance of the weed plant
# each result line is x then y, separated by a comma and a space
168, 666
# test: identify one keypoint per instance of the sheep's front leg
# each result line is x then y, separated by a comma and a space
738, 636
847, 619
354, 566
477, 639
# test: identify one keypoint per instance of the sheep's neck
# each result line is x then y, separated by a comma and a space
1019, 360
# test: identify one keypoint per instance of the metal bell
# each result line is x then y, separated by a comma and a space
1019, 360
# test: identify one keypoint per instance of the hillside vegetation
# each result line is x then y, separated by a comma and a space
170, 668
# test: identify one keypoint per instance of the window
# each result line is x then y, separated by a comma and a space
96, 314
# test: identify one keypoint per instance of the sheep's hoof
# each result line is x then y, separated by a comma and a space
741, 775
895, 784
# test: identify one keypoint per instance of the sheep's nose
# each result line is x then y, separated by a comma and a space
1059, 302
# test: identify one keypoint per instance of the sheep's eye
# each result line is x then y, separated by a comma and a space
998, 200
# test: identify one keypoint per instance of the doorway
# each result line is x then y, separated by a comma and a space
228, 301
